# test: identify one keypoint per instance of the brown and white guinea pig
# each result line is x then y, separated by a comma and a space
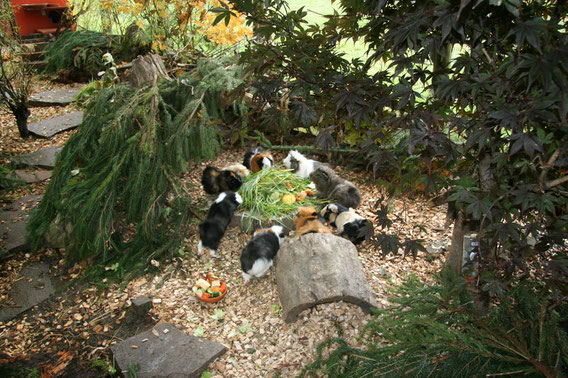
216, 181
239, 169
299, 164
348, 223
308, 220
258, 255
331, 186
256, 159
212, 229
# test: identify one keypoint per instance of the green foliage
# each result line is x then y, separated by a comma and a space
472, 90
262, 195
433, 330
117, 180
82, 49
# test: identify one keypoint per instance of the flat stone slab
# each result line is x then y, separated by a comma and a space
13, 221
49, 127
44, 158
320, 268
172, 353
31, 176
32, 287
58, 97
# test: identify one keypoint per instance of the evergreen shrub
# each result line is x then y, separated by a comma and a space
117, 180
433, 330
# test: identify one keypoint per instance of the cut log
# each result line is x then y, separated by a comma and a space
147, 68
320, 268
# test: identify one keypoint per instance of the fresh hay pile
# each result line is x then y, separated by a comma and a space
262, 194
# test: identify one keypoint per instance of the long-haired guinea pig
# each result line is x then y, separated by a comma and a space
212, 229
256, 159
215, 180
239, 169
348, 223
329, 185
308, 220
299, 164
258, 255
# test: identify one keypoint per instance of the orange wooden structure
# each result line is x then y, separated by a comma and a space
38, 16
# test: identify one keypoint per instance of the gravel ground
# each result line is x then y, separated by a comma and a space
87, 319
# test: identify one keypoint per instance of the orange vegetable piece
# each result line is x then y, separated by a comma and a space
289, 186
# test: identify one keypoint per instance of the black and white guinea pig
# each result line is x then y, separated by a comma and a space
348, 222
258, 255
216, 181
299, 164
212, 229
256, 159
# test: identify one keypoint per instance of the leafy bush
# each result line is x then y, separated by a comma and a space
433, 330
476, 89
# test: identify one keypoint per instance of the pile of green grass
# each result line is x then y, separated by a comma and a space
262, 194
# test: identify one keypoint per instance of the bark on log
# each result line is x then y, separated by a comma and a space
320, 268
147, 68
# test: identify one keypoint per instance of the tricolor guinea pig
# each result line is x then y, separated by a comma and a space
258, 255
256, 159
348, 223
308, 220
216, 181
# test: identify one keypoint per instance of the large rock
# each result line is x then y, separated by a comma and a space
31, 288
44, 158
165, 351
56, 97
320, 268
49, 127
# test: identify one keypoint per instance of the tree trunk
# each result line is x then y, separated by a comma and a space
22, 113
147, 68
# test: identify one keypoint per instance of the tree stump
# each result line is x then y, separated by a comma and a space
147, 68
320, 268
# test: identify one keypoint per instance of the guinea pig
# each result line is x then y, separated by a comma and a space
348, 223
239, 169
212, 229
299, 164
215, 180
308, 220
256, 159
258, 255
331, 186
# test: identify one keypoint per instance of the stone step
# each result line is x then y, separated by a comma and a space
44, 158
165, 351
32, 287
13, 221
58, 97
49, 127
